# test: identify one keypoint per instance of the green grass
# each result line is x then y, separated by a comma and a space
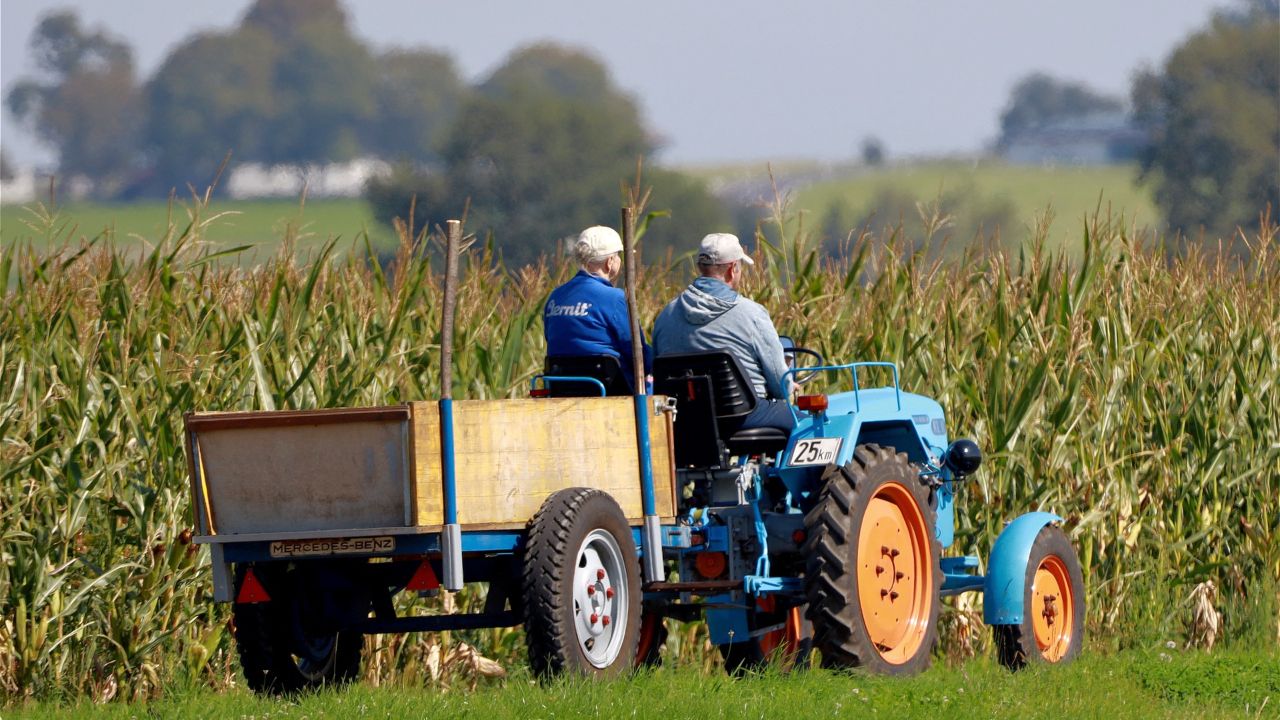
1140, 684
260, 223
1071, 192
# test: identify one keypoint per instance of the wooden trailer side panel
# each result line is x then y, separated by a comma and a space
301, 471
511, 454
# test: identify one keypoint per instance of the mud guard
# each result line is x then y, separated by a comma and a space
1007, 569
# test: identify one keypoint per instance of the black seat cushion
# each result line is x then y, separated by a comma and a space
757, 441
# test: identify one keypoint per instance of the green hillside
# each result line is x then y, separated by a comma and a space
259, 223
1021, 193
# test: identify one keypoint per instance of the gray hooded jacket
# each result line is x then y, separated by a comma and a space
710, 315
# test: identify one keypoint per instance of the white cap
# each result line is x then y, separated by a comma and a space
597, 243
722, 249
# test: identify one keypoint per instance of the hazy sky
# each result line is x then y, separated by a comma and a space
731, 79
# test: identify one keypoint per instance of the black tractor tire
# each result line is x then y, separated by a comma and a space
831, 550
580, 537
1017, 645
280, 654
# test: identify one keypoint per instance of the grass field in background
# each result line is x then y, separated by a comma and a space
1071, 192
260, 223
1140, 684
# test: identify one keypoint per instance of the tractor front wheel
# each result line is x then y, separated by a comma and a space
872, 565
1052, 627
581, 586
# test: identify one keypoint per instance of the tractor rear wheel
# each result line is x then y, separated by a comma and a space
283, 651
653, 636
1052, 628
786, 642
581, 586
872, 565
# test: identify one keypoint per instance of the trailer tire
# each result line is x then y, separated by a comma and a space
873, 571
581, 586
1052, 628
279, 655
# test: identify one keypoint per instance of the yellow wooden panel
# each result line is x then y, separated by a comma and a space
511, 454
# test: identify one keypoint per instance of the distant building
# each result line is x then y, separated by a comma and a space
22, 187
253, 180
1095, 139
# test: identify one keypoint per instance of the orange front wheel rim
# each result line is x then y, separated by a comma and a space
895, 581
1052, 608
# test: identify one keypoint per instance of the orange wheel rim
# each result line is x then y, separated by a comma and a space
895, 580
1052, 608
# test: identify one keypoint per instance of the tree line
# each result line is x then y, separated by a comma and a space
537, 149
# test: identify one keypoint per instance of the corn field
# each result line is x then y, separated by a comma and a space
1128, 390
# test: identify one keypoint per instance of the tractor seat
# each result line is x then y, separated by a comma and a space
757, 441
713, 397
604, 368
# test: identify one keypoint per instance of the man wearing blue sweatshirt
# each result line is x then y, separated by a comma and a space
588, 315
711, 315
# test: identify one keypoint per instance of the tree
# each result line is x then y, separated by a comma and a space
872, 152
6, 170
87, 106
213, 95
539, 151
418, 94
1038, 100
1211, 114
289, 85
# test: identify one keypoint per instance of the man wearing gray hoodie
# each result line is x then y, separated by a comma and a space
711, 315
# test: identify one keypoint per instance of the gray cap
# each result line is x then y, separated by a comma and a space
722, 249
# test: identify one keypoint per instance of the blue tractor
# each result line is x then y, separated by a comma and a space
832, 538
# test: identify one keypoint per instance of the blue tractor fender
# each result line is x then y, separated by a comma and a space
1007, 568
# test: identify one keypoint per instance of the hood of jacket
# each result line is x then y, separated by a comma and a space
705, 300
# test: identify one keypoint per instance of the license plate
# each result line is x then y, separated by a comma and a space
332, 546
815, 451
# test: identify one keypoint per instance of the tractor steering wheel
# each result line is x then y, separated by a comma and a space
792, 354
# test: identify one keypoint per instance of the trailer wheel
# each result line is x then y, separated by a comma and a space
872, 565
787, 643
281, 652
581, 586
1052, 628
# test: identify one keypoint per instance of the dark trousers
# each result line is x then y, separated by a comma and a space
771, 414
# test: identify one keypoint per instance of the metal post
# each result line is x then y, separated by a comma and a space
451, 537
651, 539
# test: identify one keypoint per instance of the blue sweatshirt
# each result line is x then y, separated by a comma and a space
710, 315
588, 316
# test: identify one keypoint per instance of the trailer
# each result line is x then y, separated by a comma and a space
592, 518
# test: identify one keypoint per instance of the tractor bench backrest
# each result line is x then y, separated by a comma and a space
604, 368
712, 396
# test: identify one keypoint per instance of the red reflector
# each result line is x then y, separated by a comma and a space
798, 537
812, 403
251, 591
424, 578
540, 393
